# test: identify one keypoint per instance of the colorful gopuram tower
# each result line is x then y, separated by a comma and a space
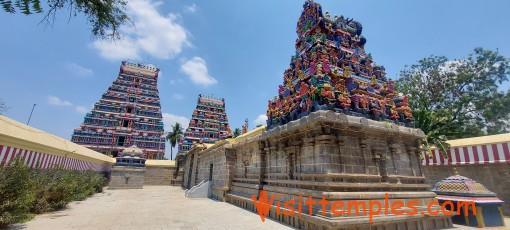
208, 124
331, 71
128, 114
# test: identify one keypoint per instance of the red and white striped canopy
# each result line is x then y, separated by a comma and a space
475, 154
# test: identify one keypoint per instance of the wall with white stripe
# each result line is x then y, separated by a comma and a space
483, 159
34, 159
476, 154
39, 149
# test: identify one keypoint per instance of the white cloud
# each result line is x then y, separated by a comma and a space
81, 109
178, 96
52, 100
190, 9
160, 36
170, 119
79, 70
261, 119
176, 81
117, 50
196, 69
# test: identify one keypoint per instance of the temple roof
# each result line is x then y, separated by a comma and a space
133, 151
460, 188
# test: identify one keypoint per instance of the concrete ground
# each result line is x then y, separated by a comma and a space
156, 207
153, 207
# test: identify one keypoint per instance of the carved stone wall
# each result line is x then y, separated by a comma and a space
329, 155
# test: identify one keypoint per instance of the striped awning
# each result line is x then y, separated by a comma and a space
476, 154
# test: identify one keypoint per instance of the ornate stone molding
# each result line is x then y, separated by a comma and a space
342, 121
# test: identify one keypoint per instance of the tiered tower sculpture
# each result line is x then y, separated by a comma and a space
331, 71
208, 124
128, 114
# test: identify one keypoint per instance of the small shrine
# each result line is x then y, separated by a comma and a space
487, 207
132, 156
129, 169
331, 70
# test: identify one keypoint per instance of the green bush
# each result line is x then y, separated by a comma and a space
25, 192
16, 193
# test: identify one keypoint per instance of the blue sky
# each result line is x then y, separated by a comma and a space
232, 49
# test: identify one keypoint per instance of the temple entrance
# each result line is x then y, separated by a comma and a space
121, 140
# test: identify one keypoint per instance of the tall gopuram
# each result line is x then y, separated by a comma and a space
128, 113
339, 150
208, 124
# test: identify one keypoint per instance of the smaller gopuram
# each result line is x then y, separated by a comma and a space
456, 191
208, 124
129, 170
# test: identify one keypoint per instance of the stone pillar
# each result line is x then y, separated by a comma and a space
415, 151
273, 152
308, 155
295, 150
393, 151
342, 142
479, 217
263, 160
289, 154
363, 143
231, 158
381, 158
410, 155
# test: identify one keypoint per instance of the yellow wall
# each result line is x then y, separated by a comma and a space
15, 134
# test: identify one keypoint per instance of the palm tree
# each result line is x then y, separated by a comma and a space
237, 132
174, 136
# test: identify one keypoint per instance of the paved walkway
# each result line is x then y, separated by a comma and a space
154, 207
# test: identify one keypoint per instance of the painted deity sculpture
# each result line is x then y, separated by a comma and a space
330, 69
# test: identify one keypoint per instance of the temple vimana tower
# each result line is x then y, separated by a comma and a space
337, 132
208, 124
128, 113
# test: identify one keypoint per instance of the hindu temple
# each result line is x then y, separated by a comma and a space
336, 131
486, 210
128, 113
331, 70
208, 124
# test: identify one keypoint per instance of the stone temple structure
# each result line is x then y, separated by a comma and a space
128, 113
336, 132
208, 124
129, 170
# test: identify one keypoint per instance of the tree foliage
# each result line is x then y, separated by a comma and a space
237, 132
459, 98
105, 16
